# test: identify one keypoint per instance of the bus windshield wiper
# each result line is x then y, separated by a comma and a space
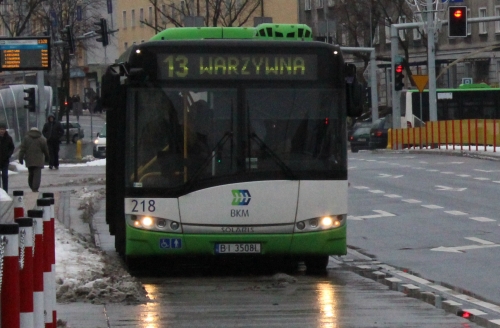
288, 172
228, 135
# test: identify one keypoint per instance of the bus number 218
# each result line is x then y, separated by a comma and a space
143, 206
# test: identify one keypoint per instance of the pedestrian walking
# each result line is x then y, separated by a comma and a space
35, 151
53, 131
6, 150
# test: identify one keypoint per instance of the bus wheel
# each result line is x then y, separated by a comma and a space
135, 264
316, 263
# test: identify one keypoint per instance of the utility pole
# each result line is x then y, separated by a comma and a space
65, 89
431, 62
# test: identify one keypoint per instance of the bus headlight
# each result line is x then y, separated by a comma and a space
322, 223
147, 222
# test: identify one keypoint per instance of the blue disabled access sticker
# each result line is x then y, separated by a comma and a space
170, 243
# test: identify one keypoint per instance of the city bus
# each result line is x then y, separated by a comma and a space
229, 142
468, 101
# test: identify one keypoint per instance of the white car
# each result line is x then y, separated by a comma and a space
100, 144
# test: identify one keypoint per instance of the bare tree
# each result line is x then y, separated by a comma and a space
391, 12
215, 12
360, 21
17, 16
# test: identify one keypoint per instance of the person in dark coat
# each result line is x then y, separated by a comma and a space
35, 151
6, 150
53, 131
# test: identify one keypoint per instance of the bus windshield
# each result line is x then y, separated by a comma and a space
185, 137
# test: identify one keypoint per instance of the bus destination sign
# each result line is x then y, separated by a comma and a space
238, 67
20, 54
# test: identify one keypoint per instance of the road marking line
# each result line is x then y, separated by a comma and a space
463, 175
482, 219
446, 188
496, 181
447, 172
383, 175
361, 187
481, 241
459, 249
455, 212
483, 179
432, 170
393, 196
433, 207
380, 214
376, 191
487, 171
412, 201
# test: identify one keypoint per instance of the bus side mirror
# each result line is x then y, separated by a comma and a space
112, 92
354, 92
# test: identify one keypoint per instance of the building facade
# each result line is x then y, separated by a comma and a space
473, 58
138, 20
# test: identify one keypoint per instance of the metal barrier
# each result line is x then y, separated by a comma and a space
27, 266
471, 134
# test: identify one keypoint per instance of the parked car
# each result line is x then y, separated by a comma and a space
75, 131
99, 149
360, 139
357, 125
378, 132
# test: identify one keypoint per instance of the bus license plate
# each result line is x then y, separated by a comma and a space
237, 248
361, 139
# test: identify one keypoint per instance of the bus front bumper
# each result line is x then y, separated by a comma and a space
152, 243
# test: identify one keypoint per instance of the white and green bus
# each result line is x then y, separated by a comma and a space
468, 101
229, 141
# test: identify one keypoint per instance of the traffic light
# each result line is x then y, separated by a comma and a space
70, 39
103, 32
457, 21
31, 106
398, 77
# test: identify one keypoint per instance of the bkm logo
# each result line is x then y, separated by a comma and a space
241, 197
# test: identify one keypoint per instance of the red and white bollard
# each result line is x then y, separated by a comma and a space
10, 280
26, 271
38, 294
49, 279
50, 196
18, 203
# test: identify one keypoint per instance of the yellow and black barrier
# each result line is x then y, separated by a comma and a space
471, 134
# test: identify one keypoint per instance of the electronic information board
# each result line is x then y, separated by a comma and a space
25, 54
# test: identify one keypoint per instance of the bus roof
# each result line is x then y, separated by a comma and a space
268, 31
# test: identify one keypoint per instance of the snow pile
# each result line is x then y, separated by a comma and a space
84, 273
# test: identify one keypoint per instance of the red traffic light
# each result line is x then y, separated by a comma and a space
458, 13
399, 68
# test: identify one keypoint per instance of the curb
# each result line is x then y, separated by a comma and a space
480, 312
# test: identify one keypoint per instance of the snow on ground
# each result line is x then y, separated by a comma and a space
84, 273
